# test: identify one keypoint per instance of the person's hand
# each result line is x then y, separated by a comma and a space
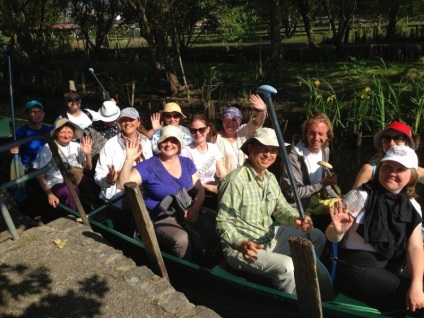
329, 181
191, 215
414, 298
14, 150
53, 200
250, 250
257, 103
133, 149
112, 175
155, 119
86, 144
306, 225
340, 217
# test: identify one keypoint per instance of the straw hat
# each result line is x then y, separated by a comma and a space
171, 108
170, 131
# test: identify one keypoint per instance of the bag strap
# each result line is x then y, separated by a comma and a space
374, 167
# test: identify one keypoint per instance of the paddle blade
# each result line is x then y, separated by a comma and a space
17, 170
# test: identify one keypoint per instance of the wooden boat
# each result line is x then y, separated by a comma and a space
228, 292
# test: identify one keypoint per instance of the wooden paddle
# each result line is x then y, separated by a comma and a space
326, 288
16, 167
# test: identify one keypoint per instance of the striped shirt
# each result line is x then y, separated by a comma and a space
248, 207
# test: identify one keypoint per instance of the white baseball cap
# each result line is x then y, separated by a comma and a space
402, 154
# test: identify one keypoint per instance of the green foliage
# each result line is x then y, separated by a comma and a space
236, 24
418, 101
322, 99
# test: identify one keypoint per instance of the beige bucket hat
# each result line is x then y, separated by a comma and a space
65, 121
266, 136
170, 131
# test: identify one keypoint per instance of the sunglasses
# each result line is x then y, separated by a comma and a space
397, 139
176, 116
201, 130
73, 99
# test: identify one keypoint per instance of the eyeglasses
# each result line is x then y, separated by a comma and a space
73, 99
176, 116
398, 139
201, 130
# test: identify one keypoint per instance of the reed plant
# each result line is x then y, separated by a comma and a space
322, 98
417, 100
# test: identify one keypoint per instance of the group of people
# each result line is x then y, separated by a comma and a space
381, 259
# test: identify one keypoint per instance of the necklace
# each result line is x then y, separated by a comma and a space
236, 150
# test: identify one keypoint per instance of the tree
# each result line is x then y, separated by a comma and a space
29, 24
153, 18
340, 14
306, 9
97, 15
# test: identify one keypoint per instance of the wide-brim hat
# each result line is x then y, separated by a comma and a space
404, 155
78, 133
108, 112
170, 131
266, 136
398, 126
129, 112
171, 108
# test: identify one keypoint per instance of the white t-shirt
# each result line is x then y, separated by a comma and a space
74, 156
82, 121
314, 169
205, 162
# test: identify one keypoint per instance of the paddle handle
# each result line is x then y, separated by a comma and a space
266, 90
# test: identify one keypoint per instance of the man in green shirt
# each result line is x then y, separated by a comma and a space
250, 199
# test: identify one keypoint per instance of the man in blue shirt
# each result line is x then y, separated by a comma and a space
34, 127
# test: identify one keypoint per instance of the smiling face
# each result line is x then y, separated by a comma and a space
169, 147
316, 136
230, 125
393, 176
261, 157
199, 131
64, 135
129, 126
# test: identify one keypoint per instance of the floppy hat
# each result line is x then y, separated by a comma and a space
172, 107
170, 131
130, 112
266, 136
108, 112
402, 154
33, 103
65, 121
398, 126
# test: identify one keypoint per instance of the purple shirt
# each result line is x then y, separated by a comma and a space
158, 183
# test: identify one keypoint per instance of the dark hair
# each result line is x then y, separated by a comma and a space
318, 118
211, 137
70, 92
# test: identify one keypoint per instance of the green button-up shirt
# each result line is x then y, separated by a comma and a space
248, 207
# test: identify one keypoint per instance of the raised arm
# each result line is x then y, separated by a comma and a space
260, 107
86, 144
127, 173
156, 125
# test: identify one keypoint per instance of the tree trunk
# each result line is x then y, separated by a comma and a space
275, 27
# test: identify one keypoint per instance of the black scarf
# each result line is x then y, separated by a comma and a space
389, 221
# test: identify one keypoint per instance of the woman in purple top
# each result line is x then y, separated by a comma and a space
161, 176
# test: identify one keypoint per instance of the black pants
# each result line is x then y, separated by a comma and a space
364, 276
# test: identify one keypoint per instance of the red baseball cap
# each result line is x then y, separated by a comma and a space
398, 126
